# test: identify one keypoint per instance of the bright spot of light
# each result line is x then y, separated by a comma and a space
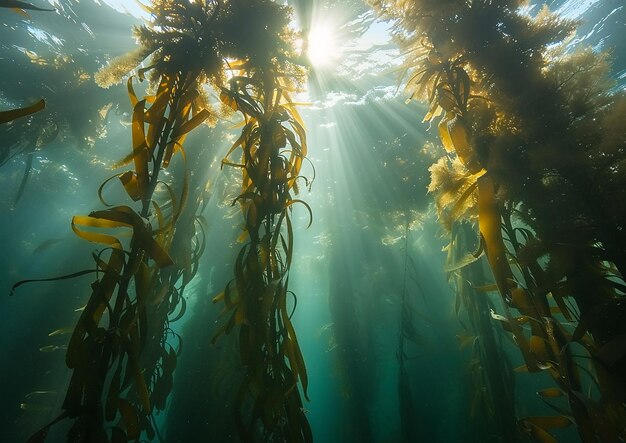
322, 46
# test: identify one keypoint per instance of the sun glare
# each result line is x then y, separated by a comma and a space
130, 7
322, 46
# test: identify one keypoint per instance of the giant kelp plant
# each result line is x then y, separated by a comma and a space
533, 125
120, 351
273, 145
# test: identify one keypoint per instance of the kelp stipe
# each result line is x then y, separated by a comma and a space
406, 333
539, 127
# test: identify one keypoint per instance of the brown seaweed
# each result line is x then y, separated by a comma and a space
524, 113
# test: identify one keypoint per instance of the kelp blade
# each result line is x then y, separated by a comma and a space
8, 116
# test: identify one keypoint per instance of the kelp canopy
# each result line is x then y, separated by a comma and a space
205, 318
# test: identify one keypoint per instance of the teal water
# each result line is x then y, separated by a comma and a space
370, 209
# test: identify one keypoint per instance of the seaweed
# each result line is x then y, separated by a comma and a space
492, 378
524, 117
123, 370
273, 147
21, 6
9, 116
407, 332
123, 373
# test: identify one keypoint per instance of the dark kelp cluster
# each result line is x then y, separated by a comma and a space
537, 157
259, 296
491, 373
120, 351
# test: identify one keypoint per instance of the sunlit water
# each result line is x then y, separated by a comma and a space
353, 256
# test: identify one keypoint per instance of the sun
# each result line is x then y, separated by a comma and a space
322, 49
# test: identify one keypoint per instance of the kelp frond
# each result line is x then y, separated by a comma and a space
119, 67
454, 189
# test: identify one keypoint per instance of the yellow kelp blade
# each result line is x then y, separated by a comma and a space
131, 185
185, 188
191, 124
162, 98
21, 5
140, 149
94, 237
549, 422
130, 418
7, 116
444, 135
490, 229
132, 95
539, 348
122, 216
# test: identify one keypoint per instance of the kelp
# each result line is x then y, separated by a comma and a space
29, 166
490, 371
407, 333
510, 104
123, 372
47, 134
258, 302
20, 6
14, 114
62, 79
9, 116
120, 350
111, 377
